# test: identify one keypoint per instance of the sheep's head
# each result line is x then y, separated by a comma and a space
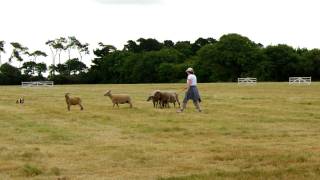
157, 95
108, 93
150, 98
67, 95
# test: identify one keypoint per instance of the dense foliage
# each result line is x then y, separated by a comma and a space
151, 61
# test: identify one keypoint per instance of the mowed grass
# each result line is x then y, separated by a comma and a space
267, 131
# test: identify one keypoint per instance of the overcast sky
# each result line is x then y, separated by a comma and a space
33, 22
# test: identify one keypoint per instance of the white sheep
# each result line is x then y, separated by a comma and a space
119, 98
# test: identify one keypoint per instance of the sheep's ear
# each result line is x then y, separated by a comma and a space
107, 92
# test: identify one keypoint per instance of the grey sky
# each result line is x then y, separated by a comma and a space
139, 2
270, 22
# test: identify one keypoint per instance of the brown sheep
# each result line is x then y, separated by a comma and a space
73, 101
166, 98
155, 100
119, 98
174, 97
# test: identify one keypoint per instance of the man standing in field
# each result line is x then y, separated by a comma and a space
192, 91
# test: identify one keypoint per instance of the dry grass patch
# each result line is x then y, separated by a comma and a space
267, 131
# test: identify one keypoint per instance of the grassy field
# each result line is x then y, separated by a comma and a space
267, 131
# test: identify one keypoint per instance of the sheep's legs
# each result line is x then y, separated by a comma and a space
177, 100
81, 107
68, 106
157, 104
163, 104
130, 105
179, 104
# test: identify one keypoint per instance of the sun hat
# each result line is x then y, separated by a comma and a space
189, 70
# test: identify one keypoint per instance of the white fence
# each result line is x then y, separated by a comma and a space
37, 84
247, 81
300, 80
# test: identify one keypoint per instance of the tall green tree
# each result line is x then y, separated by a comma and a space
28, 68
231, 57
147, 60
74, 43
185, 47
132, 46
149, 44
103, 51
41, 68
36, 54
168, 44
201, 42
9, 75
60, 45
56, 47
52, 68
75, 66
311, 64
17, 52
62, 69
283, 62
51, 44
81, 47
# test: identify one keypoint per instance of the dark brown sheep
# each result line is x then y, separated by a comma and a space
155, 100
167, 97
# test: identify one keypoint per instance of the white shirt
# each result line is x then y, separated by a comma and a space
193, 79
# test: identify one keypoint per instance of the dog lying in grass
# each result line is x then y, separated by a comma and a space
20, 100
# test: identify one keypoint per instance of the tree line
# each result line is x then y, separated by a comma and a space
151, 61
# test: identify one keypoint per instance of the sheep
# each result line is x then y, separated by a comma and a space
119, 98
166, 98
20, 100
155, 100
163, 98
73, 101
174, 97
